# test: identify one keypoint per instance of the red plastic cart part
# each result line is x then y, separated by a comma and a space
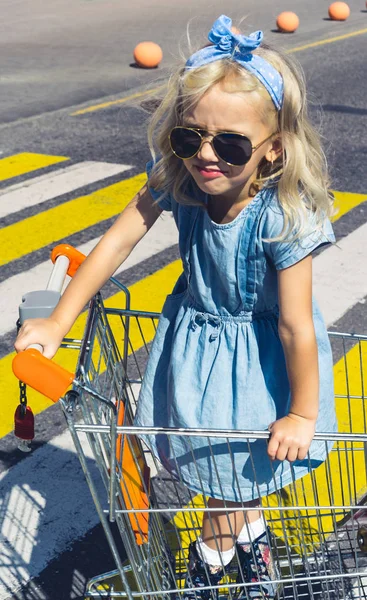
134, 470
75, 257
41, 374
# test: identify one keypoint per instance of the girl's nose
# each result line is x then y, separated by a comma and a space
206, 152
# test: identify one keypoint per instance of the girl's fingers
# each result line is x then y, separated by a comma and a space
23, 341
19, 344
273, 446
282, 451
302, 454
292, 453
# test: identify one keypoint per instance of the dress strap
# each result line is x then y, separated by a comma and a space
248, 260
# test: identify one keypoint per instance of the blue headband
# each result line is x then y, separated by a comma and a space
239, 47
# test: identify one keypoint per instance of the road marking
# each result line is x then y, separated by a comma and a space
340, 275
19, 164
103, 105
57, 223
163, 235
45, 187
327, 41
345, 201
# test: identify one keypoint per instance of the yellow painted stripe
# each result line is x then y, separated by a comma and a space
26, 162
59, 222
62, 221
337, 38
147, 294
103, 105
345, 201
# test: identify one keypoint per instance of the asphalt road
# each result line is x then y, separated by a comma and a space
59, 59
62, 53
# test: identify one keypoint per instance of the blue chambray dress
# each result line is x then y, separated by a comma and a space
217, 362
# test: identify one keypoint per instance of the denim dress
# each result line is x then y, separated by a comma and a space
217, 362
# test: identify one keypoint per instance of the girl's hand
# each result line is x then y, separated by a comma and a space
291, 437
46, 332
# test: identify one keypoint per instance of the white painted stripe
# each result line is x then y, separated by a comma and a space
45, 505
340, 275
162, 235
43, 188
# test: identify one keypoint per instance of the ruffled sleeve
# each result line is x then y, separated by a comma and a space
164, 203
285, 254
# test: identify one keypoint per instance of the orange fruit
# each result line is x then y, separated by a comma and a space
339, 11
287, 22
148, 55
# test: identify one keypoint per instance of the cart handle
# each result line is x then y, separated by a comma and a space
30, 366
41, 374
75, 257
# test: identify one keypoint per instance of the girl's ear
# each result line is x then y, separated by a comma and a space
275, 150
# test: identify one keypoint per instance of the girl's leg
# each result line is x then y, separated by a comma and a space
223, 532
215, 548
221, 528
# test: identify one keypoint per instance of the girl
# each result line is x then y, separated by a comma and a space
240, 343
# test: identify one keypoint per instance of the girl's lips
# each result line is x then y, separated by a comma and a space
207, 174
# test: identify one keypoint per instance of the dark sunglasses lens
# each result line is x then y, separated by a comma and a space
232, 148
185, 142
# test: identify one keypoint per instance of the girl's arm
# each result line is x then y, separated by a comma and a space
292, 435
111, 251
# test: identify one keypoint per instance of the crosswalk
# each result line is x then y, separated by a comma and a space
39, 211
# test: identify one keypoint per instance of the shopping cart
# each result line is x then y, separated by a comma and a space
317, 522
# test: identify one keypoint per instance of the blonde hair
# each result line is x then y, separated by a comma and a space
300, 173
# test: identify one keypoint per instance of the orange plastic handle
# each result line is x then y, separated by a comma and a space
75, 257
42, 374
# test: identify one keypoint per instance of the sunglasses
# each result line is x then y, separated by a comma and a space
235, 149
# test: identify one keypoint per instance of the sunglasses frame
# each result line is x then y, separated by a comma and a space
198, 131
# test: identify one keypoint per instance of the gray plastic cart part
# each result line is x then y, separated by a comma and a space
37, 305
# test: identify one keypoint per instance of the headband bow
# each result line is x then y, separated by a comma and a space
227, 44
